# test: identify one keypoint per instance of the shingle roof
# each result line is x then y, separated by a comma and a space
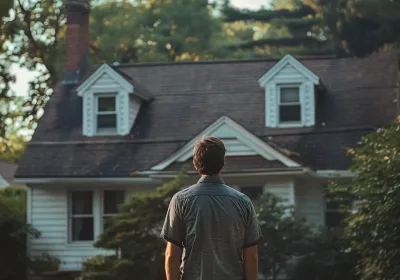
360, 96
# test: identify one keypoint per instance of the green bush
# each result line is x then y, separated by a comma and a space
285, 235
373, 229
13, 234
328, 258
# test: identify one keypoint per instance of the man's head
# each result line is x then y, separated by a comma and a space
209, 155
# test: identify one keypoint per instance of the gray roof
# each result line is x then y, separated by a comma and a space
187, 97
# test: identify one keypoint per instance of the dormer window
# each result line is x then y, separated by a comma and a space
106, 115
289, 105
110, 102
289, 94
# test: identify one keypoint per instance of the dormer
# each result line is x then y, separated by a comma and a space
289, 94
111, 102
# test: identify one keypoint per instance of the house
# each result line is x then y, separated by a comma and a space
111, 131
7, 171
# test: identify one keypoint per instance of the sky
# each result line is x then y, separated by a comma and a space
23, 76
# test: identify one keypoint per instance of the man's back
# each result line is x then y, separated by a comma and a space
214, 223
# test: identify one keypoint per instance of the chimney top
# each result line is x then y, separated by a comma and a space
77, 40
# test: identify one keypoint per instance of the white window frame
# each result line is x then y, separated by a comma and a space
97, 214
72, 216
97, 113
279, 104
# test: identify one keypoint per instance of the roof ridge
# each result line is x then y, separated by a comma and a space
225, 61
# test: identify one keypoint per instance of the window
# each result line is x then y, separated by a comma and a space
106, 114
81, 216
111, 200
289, 105
253, 192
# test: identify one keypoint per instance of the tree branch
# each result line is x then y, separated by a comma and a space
288, 42
28, 31
233, 14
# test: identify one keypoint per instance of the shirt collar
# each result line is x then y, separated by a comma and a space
214, 179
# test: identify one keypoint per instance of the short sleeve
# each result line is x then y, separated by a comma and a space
253, 233
173, 229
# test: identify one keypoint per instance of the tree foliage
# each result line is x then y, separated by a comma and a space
133, 235
327, 258
284, 235
292, 25
13, 234
372, 228
159, 30
360, 27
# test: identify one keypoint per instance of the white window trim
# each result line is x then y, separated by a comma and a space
70, 217
97, 113
97, 214
278, 104
90, 109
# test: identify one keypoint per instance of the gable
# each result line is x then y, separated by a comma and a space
288, 70
289, 94
104, 78
238, 142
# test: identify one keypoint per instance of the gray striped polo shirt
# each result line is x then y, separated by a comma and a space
212, 222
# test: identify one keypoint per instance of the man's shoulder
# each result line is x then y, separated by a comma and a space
234, 192
194, 190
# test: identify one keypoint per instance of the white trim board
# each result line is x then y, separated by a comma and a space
226, 128
96, 180
104, 69
288, 59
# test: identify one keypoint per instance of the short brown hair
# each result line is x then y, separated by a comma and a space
209, 155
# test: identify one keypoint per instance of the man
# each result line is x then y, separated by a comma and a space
214, 225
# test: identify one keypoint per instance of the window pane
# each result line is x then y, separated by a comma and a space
107, 104
82, 229
111, 201
290, 95
107, 121
82, 202
253, 193
290, 113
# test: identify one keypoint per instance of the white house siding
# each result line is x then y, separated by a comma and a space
310, 201
105, 81
49, 215
289, 73
284, 189
305, 195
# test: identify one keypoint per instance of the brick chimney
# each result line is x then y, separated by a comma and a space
77, 40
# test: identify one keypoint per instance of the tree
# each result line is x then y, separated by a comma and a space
361, 27
373, 227
327, 258
133, 235
13, 234
12, 147
285, 235
31, 39
294, 26
159, 30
